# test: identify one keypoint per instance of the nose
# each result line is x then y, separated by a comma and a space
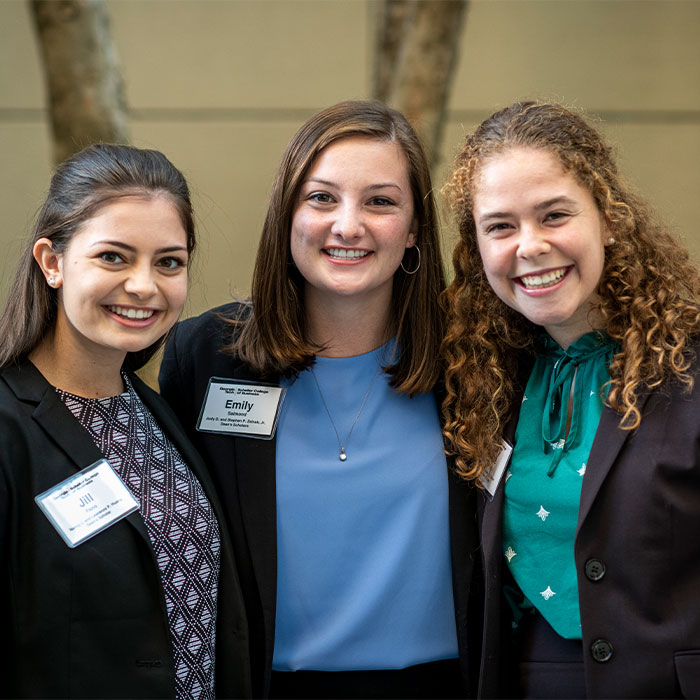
532, 241
141, 282
348, 223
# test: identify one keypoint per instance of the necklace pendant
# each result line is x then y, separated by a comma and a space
342, 456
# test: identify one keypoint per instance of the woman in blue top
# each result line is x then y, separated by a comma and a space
572, 336
349, 530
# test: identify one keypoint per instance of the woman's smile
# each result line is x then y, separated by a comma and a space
543, 280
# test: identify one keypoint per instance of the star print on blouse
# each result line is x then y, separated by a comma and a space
510, 553
582, 470
542, 513
547, 593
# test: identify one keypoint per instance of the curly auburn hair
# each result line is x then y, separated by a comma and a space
648, 291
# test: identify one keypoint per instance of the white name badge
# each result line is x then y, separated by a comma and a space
87, 503
238, 407
491, 479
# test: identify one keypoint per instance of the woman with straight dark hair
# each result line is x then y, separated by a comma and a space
314, 406
572, 349
117, 573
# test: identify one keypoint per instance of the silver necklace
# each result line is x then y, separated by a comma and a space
342, 456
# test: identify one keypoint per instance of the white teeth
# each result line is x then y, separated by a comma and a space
346, 253
546, 280
130, 312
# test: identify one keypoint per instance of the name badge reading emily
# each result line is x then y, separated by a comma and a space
238, 407
87, 503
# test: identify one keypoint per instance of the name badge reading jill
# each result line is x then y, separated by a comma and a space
237, 407
87, 503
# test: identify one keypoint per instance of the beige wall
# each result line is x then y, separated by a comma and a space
221, 85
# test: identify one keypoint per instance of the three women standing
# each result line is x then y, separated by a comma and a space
573, 336
352, 538
118, 576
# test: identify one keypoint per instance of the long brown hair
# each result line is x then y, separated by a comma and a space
273, 338
649, 290
80, 186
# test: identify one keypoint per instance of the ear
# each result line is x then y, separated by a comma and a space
49, 262
607, 236
411, 241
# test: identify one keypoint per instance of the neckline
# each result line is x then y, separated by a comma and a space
126, 394
385, 348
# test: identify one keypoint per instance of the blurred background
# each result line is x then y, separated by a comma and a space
221, 85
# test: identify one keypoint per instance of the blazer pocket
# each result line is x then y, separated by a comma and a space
688, 672
128, 658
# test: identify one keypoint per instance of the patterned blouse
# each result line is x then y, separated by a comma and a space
180, 522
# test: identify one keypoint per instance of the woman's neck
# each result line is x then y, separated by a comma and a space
92, 375
348, 329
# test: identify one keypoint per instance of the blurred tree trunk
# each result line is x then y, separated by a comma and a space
85, 86
416, 54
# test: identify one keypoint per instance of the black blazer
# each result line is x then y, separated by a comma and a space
90, 622
637, 552
244, 472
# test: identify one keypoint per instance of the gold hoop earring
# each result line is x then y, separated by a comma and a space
412, 272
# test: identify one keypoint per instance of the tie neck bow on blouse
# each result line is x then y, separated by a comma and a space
567, 388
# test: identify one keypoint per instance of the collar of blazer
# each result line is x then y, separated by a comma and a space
60, 426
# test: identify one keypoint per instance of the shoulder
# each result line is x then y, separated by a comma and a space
198, 349
21, 384
213, 329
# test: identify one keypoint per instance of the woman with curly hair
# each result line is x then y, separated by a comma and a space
572, 401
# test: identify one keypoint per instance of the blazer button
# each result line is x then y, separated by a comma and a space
595, 569
602, 650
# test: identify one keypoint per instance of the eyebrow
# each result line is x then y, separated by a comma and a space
132, 249
377, 186
562, 199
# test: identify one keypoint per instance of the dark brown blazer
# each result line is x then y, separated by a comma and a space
637, 553
90, 622
243, 470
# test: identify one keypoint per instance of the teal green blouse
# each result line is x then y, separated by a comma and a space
543, 482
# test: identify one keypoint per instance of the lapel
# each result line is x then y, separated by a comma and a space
493, 508
257, 487
56, 420
607, 444
54, 417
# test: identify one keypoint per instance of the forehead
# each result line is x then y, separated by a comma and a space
368, 153
517, 172
136, 217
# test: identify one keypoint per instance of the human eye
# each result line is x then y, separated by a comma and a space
109, 256
556, 216
498, 228
381, 202
171, 262
320, 197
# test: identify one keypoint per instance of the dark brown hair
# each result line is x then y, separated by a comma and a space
648, 291
274, 339
80, 186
